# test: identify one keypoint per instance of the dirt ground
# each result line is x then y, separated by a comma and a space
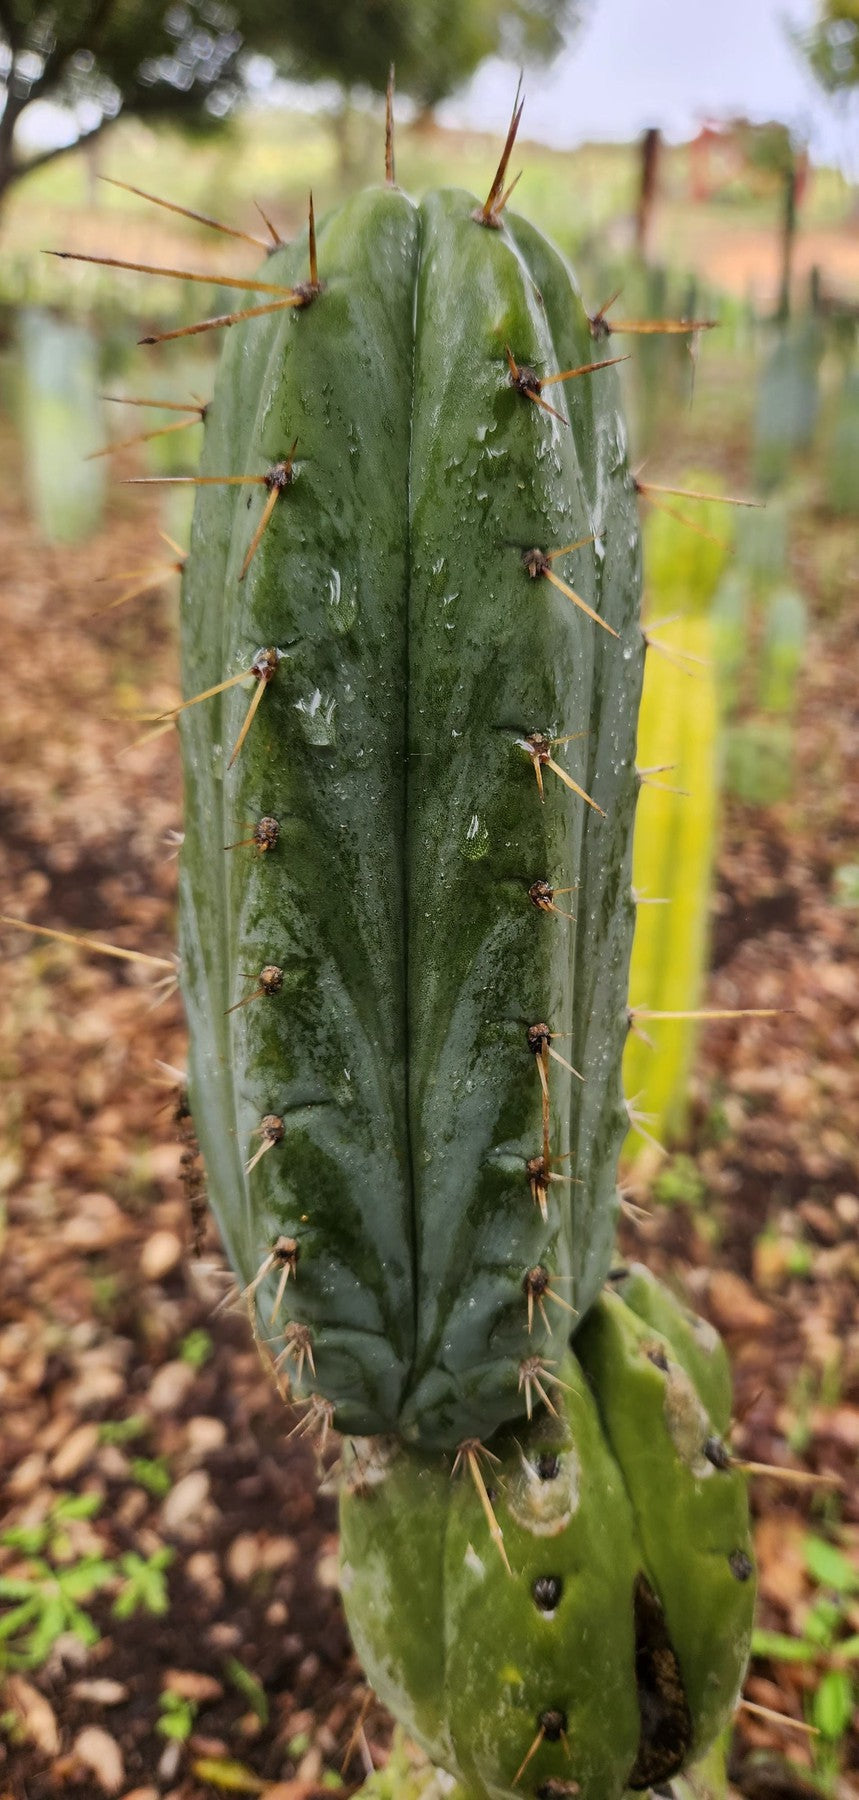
114, 1360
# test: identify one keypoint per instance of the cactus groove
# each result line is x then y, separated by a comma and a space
379, 1106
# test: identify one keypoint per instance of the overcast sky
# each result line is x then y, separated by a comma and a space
668, 63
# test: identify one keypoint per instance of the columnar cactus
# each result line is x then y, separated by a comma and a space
445, 742
412, 667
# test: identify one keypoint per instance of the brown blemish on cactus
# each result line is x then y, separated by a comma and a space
538, 564
666, 1722
489, 213
186, 212
270, 1129
540, 748
602, 328
526, 381
467, 1456
542, 895
270, 981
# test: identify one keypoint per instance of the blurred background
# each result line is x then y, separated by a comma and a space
169, 1622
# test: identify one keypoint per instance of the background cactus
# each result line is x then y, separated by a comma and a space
676, 825
59, 419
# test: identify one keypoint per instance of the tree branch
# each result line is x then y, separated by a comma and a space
16, 170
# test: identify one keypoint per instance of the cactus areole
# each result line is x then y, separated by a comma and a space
429, 698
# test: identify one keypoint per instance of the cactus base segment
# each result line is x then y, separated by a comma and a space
611, 1654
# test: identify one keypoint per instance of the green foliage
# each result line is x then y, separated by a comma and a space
47, 1598
196, 1348
827, 1646
143, 1583
832, 45
435, 45
248, 1686
177, 1715
95, 60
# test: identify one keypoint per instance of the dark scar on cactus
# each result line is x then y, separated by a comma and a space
538, 564
666, 1722
270, 981
542, 895
601, 327
540, 748
264, 836
536, 1286
467, 1456
490, 212
551, 1728
546, 1592
186, 212
526, 381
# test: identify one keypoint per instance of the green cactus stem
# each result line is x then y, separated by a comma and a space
613, 1653
395, 641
